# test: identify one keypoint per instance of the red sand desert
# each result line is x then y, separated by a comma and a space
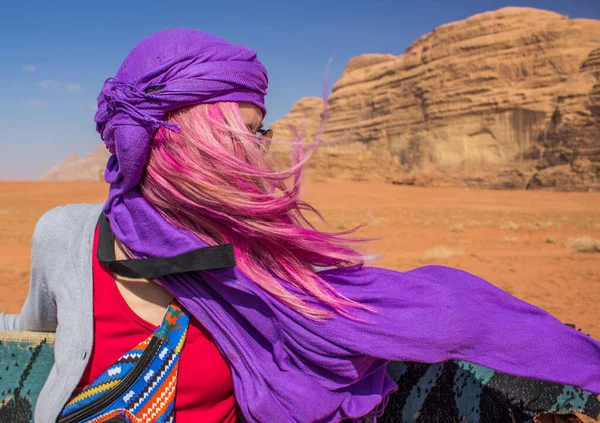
524, 242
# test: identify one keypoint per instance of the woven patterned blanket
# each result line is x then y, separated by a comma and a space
452, 391
25, 361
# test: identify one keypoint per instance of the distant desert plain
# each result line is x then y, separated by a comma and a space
541, 246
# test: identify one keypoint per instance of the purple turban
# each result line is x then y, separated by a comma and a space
286, 367
166, 71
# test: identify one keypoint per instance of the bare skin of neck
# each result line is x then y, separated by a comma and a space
145, 297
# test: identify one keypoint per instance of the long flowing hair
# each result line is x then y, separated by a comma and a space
215, 180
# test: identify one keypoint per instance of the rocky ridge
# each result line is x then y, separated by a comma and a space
76, 168
504, 99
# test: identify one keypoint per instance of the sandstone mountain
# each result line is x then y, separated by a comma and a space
76, 168
503, 99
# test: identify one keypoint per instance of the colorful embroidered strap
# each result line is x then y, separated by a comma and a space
140, 386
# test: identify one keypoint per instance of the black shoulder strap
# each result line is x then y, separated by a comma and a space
217, 257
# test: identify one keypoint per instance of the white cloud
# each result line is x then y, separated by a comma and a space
73, 88
87, 106
49, 83
34, 104
28, 68
58, 86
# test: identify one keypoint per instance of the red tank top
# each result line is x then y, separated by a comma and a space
204, 383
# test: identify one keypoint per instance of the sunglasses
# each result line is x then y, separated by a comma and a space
267, 134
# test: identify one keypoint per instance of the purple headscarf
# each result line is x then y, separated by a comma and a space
166, 71
287, 368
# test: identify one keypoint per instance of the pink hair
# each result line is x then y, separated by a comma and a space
214, 180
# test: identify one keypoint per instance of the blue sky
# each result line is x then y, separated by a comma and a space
55, 55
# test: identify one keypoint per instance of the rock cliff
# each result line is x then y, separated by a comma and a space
76, 168
504, 99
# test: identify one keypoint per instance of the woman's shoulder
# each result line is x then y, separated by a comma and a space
66, 223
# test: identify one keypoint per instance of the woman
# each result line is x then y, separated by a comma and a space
197, 222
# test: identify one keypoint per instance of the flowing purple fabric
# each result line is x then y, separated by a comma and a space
287, 368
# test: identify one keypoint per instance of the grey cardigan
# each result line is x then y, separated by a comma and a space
60, 299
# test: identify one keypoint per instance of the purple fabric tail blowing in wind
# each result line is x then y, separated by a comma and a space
286, 367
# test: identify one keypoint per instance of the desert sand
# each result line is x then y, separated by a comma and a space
521, 241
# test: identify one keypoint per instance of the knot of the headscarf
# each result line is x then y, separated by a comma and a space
122, 103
